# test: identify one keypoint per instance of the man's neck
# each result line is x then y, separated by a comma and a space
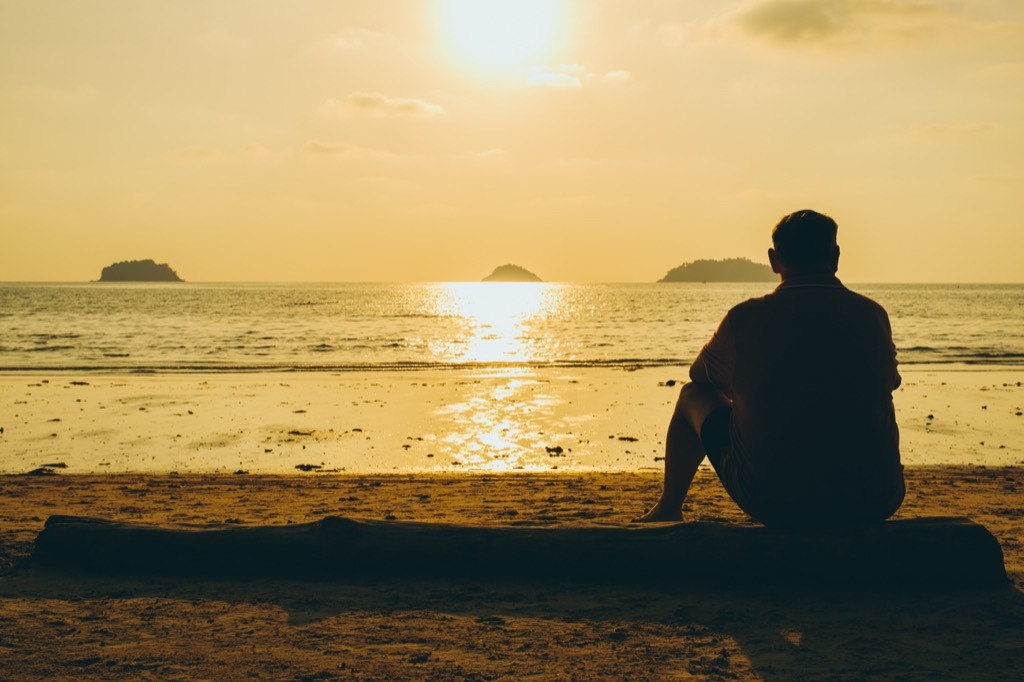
818, 277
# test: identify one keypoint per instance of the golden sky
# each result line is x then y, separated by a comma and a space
588, 140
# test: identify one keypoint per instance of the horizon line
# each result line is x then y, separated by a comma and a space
477, 281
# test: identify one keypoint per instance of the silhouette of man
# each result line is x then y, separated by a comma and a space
791, 399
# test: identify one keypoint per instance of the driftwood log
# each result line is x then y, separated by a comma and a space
949, 550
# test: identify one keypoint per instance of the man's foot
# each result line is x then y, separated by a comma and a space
660, 514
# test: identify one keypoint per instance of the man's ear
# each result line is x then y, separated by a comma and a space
773, 258
835, 259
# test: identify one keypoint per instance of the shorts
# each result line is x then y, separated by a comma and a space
767, 505
716, 439
715, 435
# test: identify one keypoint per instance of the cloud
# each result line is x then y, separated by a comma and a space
485, 155
332, 108
673, 34
354, 38
377, 104
257, 151
797, 23
618, 76
561, 77
554, 80
571, 76
342, 150
348, 43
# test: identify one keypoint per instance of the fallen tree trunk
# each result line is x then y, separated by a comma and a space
949, 550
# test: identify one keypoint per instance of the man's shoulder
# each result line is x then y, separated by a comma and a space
808, 294
752, 307
859, 299
755, 303
751, 304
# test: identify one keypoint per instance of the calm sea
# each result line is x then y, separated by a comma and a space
253, 327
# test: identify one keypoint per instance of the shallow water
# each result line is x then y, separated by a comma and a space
245, 327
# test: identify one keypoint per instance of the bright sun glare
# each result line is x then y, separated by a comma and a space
496, 316
501, 34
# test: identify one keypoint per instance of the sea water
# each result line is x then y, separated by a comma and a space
513, 371
338, 327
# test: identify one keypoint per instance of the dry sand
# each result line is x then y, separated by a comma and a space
63, 627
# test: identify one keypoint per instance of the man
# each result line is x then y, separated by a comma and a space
791, 399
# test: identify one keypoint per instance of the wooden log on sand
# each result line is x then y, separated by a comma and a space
955, 551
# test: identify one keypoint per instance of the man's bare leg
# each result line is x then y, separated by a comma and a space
683, 449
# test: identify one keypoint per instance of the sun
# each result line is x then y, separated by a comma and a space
501, 34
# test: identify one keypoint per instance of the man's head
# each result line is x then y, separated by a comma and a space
805, 243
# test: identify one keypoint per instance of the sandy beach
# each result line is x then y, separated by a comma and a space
172, 445
63, 626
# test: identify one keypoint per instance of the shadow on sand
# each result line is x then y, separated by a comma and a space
497, 629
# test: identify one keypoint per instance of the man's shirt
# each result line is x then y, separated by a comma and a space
810, 370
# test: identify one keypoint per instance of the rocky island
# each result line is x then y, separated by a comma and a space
139, 271
511, 273
727, 270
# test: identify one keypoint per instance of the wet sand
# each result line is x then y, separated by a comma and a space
63, 626
442, 421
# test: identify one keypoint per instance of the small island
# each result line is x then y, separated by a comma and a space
139, 271
727, 270
511, 273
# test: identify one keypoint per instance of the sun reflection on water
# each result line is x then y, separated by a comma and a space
496, 427
494, 319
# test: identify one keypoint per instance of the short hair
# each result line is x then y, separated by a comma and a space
805, 240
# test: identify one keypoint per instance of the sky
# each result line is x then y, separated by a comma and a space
433, 140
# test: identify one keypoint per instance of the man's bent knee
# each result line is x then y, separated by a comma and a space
697, 401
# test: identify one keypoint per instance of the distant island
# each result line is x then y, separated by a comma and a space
511, 273
139, 271
727, 270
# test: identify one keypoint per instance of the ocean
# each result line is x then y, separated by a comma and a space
348, 327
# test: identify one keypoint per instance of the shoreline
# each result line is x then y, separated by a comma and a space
414, 367
482, 420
